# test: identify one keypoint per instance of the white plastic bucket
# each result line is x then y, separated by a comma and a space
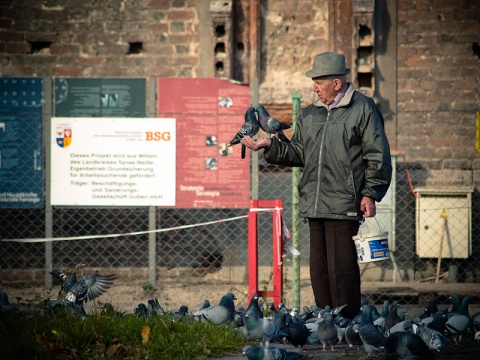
372, 247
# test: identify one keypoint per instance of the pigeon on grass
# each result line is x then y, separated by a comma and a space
221, 313
154, 307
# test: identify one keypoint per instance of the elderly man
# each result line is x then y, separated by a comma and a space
340, 142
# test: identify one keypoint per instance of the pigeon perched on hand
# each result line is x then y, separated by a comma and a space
250, 128
270, 125
221, 313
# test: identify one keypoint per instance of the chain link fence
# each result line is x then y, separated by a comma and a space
205, 261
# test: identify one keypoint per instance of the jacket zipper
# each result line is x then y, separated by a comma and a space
320, 164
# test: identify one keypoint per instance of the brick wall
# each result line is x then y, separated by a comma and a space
436, 57
439, 88
109, 38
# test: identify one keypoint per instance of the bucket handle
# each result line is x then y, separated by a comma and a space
363, 220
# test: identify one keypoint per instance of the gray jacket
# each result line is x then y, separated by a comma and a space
344, 153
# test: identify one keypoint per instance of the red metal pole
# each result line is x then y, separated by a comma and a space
277, 209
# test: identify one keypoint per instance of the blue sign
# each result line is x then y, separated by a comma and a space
21, 143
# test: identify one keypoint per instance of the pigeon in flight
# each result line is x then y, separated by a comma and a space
270, 125
87, 288
250, 128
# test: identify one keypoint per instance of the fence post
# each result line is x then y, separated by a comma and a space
295, 218
152, 210
47, 121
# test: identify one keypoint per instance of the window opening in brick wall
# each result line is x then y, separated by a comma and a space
220, 30
364, 33
220, 48
135, 47
476, 49
240, 47
39, 46
219, 67
365, 55
364, 80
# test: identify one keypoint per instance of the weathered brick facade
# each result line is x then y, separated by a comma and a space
427, 76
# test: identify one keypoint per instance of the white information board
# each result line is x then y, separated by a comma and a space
113, 161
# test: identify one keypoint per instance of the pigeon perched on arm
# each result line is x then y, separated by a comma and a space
250, 128
221, 313
270, 125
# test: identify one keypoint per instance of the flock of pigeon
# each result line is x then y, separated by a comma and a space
252, 125
385, 332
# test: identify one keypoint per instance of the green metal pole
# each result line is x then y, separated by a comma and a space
295, 218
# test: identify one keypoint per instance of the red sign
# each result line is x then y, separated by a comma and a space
209, 113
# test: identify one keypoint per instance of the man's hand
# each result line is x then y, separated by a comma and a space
367, 206
256, 145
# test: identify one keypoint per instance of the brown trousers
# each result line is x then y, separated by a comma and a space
334, 270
